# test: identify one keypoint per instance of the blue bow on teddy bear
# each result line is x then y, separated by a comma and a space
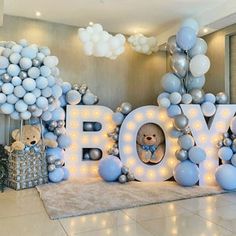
151, 148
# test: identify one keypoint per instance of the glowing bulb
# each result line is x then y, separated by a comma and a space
96, 140
131, 126
85, 114
131, 161
38, 13
225, 113
139, 171
151, 174
220, 126
85, 140
205, 30
127, 137
72, 170
139, 117
90, 23
97, 113
163, 171
127, 149
197, 125
192, 112
203, 138
73, 158
150, 114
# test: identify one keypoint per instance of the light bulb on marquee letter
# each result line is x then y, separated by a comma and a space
75, 117
208, 135
127, 146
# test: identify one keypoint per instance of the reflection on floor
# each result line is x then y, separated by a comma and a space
22, 213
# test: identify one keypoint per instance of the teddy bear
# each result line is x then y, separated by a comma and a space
150, 143
31, 136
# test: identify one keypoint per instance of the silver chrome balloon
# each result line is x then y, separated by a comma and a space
172, 45
125, 170
126, 108
58, 163
179, 64
227, 142
219, 144
51, 100
60, 123
6, 78
197, 95
122, 179
225, 135
86, 156
58, 131
23, 75
51, 167
51, 159
118, 109
32, 108
53, 123
75, 87
36, 62
115, 137
181, 155
115, 151
180, 122
95, 154
88, 126
221, 98
130, 177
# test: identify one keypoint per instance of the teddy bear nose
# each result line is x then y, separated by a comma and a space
149, 138
33, 142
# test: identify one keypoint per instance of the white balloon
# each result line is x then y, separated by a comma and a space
199, 65
84, 36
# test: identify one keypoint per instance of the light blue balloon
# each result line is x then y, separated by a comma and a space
196, 154
195, 82
29, 52
163, 95
15, 115
12, 99
110, 168
25, 63
45, 71
64, 141
36, 92
186, 38
46, 116
19, 91
7, 108
186, 173
25, 115
15, 58
62, 100
97, 126
57, 152
16, 48
89, 98
73, 97
13, 70
226, 176
186, 98
200, 47
51, 80
23, 42
66, 87
21, 106
47, 92
186, 141
225, 153
4, 63
58, 114
233, 160
233, 125
42, 82
2, 71
29, 84
56, 91
29, 98
50, 136
42, 102
173, 110
56, 176
118, 118
66, 173
175, 133
3, 98
45, 50
171, 83
210, 97
208, 109
6, 52
37, 113
34, 72
16, 81
7, 88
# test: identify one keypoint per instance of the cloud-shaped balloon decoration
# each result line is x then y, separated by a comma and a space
142, 44
99, 43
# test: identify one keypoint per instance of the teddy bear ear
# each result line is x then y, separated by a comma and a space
37, 127
15, 134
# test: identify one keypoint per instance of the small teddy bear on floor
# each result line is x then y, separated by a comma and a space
150, 143
31, 135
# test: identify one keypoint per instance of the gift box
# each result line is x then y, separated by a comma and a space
27, 168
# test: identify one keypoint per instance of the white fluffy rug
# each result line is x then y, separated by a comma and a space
74, 198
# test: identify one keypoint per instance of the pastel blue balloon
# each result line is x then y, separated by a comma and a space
37, 113
170, 83
15, 58
34, 121
186, 98
25, 115
89, 98
3, 98
186, 38
12, 99
163, 95
195, 82
58, 114
50, 136
19, 91
42, 102
29, 98
110, 168
16, 48
7, 108
23, 42
7, 88
15, 115
233, 160
45, 50
21, 106
45, 71
64, 141
25, 63
175, 133
51, 80
174, 110
62, 100
225, 153
42, 82
66, 173
4, 62
29, 52
2, 71
208, 109
56, 91
226, 176
6, 52
209, 97
57, 152
233, 125
186, 141
97, 126
46, 116
34, 72
66, 87
186, 173
47, 92
118, 118
29, 84
36, 92
13, 70
73, 97
16, 81
196, 154
56, 176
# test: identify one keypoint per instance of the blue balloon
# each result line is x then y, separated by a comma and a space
42, 102
58, 114
110, 168
66, 87
47, 92
186, 141
175, 133
186, 38
7, 108
226, 176
233, 125
3, 62
57, 152
51, 80
45, 50
29, 98
50, 136
7, 88
171, 83
225, 153
66, 173
45, 71
34, 72
25, 115
64, 141
56, 176
186, 173
73, 97
97, 126
233, 160
21, 106
29, 84
196, 154
3, 98
36, 92
62, 100
209, 97
56, 91
19, 91
15, 58
16, 81
187, 98
25, 63
13, 70
15, 115
46, 116
195, 82
118, 118
29, 52
12, 99
173, 110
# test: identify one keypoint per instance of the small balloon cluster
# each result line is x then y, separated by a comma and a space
142, 44
29, 81
226, 173
100, 43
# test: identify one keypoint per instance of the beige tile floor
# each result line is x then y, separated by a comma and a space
22, 213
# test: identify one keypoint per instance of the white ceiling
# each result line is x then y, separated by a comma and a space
150, 17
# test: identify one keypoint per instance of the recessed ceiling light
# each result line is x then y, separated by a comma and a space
205, 30
38, 13
90, 23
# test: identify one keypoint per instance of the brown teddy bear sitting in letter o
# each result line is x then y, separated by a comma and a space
150, 143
